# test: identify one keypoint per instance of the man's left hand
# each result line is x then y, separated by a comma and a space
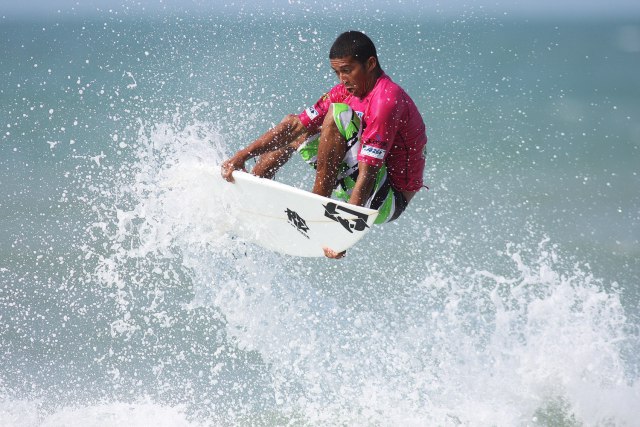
330, 253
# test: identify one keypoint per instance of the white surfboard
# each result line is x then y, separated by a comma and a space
292, 221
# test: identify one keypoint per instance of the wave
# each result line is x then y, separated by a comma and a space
26, 414
197, 326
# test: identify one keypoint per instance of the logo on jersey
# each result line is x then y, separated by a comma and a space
375, 152
312, 113
298, 222
359, 223
359, 114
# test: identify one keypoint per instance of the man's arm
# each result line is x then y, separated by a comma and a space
364, 184
359, 196
284, 133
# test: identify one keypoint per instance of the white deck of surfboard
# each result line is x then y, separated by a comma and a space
292, 221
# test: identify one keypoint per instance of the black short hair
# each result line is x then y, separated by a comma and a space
355, 44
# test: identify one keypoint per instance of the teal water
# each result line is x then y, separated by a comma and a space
508, 294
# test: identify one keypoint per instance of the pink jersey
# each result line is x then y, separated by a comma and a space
393, 131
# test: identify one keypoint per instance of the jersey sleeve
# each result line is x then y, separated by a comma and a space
383, 120
313, 116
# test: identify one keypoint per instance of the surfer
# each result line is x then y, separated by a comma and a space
365, 137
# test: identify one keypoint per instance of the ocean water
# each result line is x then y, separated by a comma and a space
507, 295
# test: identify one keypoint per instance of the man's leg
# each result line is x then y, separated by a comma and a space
269, 163
331, 151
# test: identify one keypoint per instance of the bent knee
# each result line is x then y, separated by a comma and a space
330, 119
342, 118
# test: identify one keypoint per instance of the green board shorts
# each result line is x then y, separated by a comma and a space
389, 202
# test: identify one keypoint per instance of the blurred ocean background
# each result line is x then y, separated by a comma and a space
507, 295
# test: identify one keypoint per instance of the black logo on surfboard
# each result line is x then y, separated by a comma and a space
298, 222
359, 223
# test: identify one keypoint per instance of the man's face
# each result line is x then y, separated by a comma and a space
355, 75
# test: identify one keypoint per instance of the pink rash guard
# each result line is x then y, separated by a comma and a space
393, 131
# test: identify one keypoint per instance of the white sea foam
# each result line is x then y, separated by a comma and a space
139, 414
485, 350
464, 346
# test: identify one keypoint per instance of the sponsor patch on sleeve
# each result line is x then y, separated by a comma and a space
375, 152
312, 113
